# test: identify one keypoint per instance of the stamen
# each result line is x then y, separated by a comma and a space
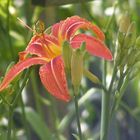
23, 23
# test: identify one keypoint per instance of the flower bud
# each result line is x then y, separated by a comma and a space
137, 59
91, 76
123, 27
76, 67
130, 36
83, 46
67, 53
134, 73
137, 44
121, 37
124, 23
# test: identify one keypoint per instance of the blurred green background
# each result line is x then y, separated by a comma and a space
44, 113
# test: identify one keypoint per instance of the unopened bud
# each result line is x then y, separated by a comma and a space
67, 53
83, 46
124, 23
132, 58
137, 59
131, 35
76, 67
134, 73
121, 37
137, 42
91, 76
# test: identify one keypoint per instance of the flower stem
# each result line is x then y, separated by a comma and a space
26, 76
105, 112
105, 115
121, 91
77, 112
54, 118
11, 107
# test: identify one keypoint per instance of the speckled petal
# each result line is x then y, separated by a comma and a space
93, 46
19, 67
54, 80
45, 46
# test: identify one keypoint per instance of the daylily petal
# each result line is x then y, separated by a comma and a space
34, 48
93, 46
19, 67
54, 80
55, 29
68, 27
45, 46
74, 23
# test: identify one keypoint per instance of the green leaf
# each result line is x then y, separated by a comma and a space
37, 124
68, 118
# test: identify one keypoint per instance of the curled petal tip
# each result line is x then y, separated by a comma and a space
93, 45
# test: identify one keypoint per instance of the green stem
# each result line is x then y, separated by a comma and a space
4, 100
113, 78
106, 107
121, 93
54, 117
10, 115
11, 107
105, 115
22, 87
77, 112
105, 104
130, 111
111, 19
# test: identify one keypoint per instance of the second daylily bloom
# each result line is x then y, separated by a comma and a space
46, 50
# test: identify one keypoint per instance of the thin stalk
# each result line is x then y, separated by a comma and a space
130, 111
106, 108
4, 100
111, 19
77, 112
107, 93
10, 115
22, 87
55, 118
104, 72
113, 78
121, 93
11, 107
120, 84
105, 116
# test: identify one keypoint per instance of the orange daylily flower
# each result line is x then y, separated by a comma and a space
46, 51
